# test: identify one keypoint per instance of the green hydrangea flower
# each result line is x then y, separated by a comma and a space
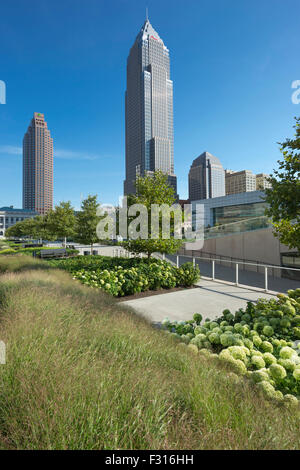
237, 341
278, 395
200, 329
229, 328
197, 317
248, 343
285, 323
256, 341
214, 338
226, 339
201, 337
266, 346
296, 373
258, 362
246, 317
204, 352
277, 371
237, 352
238, 328
185, 339
268, 331
193, 348
260, 375
286, 352
288, 364
254, 352
269, 359
290, 400
239, 367
267, 389
217, 330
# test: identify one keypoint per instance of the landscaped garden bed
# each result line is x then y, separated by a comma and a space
82, 372
122, 276
260, 342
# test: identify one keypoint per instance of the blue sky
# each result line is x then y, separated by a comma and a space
232, 63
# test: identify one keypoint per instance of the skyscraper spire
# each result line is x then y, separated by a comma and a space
147, 14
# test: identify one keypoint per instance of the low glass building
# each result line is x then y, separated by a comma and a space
230, 209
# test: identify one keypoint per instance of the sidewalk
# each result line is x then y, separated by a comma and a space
209, 298
226, 272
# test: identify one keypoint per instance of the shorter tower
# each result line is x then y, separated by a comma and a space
38, 166
206, 178
237, 182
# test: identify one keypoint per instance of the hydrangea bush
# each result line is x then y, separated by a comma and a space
121, 277
260, 342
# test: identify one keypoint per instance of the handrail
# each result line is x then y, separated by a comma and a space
240, 262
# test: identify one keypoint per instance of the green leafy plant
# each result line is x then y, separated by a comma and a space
259, 342
284, 195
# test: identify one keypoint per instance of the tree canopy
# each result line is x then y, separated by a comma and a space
86, 222
153, 189
284, 195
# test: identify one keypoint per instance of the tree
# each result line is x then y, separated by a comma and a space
87, 221
61, 221
15, 230
284, 195
154, 189
25, 228
41, 228
36, 227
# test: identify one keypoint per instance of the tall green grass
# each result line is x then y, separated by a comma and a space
84, 373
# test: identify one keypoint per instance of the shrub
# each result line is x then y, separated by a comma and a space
121, 277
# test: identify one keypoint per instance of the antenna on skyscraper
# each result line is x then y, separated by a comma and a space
147, 13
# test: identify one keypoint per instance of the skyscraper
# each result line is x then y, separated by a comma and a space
206, 178
38, 166
149, 109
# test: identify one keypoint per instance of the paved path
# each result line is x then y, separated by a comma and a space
209, 298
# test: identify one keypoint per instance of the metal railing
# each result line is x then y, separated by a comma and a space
267, 269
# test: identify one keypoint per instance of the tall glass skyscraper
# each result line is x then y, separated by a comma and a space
149, 109
206, 178
38, 166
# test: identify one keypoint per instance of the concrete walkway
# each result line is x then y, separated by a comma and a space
209, 298
226, 272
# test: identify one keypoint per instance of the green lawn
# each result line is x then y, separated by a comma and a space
84, 373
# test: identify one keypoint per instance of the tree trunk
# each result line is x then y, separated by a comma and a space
91, 248
65, 242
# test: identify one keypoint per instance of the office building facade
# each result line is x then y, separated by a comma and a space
10, 216
206, 178
262, 182
148, 110
239, 181
38, 166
